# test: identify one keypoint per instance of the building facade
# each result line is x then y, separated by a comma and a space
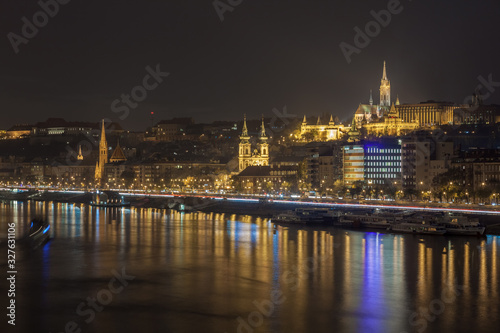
428, 114
477, 114
423, 159
390, 124
322, 132
382, 162
324, 164
259, 156
371, 112
173, 129
353, 164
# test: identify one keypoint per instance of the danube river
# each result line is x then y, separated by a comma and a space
150, 270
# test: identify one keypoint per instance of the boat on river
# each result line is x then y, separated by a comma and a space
108, 199
462, 225
288, 217
423, 228
306, 216
375, 221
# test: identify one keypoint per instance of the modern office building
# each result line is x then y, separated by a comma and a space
383, 162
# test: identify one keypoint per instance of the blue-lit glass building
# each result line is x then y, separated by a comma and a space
382, 162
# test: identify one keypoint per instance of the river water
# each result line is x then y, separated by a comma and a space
150, 270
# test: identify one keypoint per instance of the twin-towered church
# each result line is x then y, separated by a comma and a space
259, 156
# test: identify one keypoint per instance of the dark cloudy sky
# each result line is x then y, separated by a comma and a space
264, 55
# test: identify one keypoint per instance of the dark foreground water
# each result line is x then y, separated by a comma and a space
150, 270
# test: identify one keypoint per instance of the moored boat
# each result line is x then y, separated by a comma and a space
346, 222
418, 228
462, 225
368, 220
288, 217
319, 214
108, 199
301, 215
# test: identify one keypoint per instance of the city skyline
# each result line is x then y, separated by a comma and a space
364, 111
219, 70
250, 166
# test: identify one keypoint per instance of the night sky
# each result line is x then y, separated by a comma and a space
264, 55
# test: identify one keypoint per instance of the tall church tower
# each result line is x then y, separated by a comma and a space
264, 146
245, 151
385, 89
80, 155
103, 157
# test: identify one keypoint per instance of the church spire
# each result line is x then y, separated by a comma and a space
393, 113
263, 135
80, 156
118, 155
103, 157
244, 131
305, 120
103, 133
353, 134
244, 137
371, 97
385, 89
397, 99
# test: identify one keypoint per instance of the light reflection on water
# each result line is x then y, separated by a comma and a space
200, 272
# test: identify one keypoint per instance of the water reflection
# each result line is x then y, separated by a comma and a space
201, 272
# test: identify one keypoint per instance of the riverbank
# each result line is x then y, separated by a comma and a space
238, 206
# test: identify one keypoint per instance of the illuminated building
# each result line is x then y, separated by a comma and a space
371, 112
103, 157
257, 157
353, 164
391, 124
353, 157
428, 114
18, 131
385, 90
322, 132
259, 179
354, 134
383, 162
372, 162
80, 156
118, 155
